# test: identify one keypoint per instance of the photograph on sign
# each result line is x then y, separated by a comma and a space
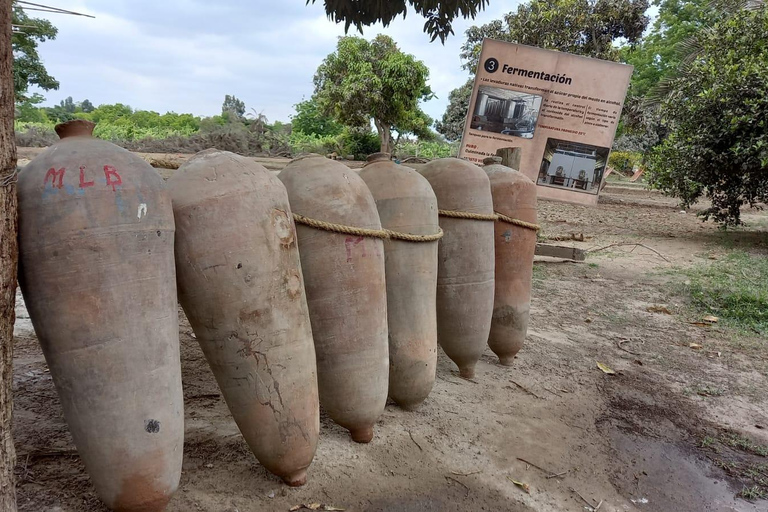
506, 112
557, 112
573, 165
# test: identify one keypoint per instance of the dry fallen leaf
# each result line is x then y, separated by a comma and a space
605, 369
695, 346
711, 319
522, 485
659, 309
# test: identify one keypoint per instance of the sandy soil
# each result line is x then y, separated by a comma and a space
631, 441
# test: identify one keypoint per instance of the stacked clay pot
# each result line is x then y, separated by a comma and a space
408, 208
343, 266
241, 287
96, 237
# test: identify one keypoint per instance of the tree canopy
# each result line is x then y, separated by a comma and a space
452, 123
716, 110
583, 27
28, 69
233, 107
311, 121
373, 80
659, 54
439, 15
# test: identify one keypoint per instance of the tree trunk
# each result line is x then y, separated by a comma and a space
9, 259
385, 134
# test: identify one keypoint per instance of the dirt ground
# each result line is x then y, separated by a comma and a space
634, 441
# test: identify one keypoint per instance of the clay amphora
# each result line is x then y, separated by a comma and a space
514, 196
407, 204
465, 260
97, 272
346, 291
241, 287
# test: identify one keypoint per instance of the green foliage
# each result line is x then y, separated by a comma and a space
355, 142
311, 121
365, 80
732, 289
717, 114
439, 15
658, 54
452, 124
582, 27
624, 161
27, 109
28, 69
426, 149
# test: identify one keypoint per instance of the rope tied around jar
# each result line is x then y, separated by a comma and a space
383, 234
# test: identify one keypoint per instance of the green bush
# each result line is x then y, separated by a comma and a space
624, 161
428, 150
717, 113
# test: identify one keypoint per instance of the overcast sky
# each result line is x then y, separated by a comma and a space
185, 55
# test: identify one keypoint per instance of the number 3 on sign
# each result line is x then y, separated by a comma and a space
491, 65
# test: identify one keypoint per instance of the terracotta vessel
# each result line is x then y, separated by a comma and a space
241, 287
97, 271
407, 204
514, 196
346, 291
465, 261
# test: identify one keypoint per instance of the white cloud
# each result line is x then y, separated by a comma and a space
185, 55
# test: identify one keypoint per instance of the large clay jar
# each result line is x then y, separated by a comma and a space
97, 272
240, 285
514, 197
465, 261
407, 205
346, 292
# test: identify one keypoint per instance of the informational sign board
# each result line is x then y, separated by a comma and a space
560, 109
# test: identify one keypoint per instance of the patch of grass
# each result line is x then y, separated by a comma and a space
705, 390
593, 265
708, 442
753, 493
539, 273
733, 289
743, 443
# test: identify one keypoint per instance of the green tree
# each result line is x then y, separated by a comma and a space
716, 109
86, 106
658, 53
439, 15
28, 69
233, 108
27, 109
311, 121
452, 124
372, 80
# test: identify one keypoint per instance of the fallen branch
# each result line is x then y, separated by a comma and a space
560, 474
618, 344
526, 389
548, 472
634, 244
466, 474
591, 506
414, 441
460, 483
